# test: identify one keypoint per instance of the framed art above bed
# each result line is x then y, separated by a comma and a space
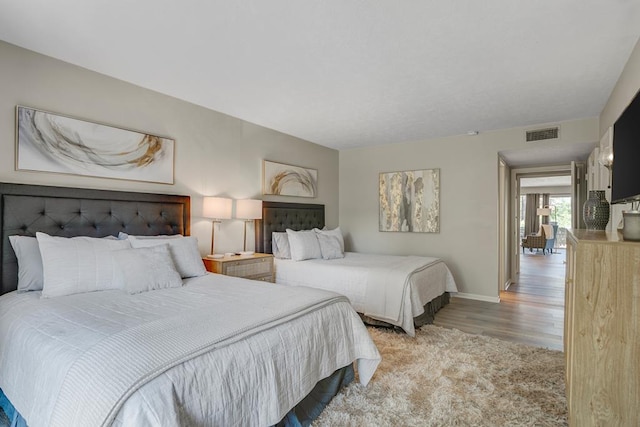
280, 179
50, 142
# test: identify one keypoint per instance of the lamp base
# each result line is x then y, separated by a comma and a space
247, 252
215, 256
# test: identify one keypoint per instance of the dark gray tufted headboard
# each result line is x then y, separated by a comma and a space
68, 212
278, 216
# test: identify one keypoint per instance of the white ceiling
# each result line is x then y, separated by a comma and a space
346, 73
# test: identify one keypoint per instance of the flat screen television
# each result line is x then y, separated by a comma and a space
625, 179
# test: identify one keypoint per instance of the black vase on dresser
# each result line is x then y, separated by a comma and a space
596, 210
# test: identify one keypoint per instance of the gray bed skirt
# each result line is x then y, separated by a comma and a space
426, 318
305, 412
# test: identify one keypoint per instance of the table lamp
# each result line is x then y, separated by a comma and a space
248, 210
216, 208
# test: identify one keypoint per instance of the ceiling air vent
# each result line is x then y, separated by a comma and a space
542, 134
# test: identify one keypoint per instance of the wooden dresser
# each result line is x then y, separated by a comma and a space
602, 329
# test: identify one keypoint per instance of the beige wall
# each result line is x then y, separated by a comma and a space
625, 89
215, 154
623, 92
468, 238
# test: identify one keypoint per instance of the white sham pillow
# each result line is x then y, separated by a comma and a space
122, 236
330, 246
73, 265
280, 245
184, 252
304, 245
27, 252
145, 269
335, 232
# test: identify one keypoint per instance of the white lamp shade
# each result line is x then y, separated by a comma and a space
217, 207
544, 211
249, 209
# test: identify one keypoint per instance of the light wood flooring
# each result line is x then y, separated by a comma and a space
531, 311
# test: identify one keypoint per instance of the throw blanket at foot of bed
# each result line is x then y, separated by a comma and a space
388, 286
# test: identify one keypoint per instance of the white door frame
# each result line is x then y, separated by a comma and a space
514, 213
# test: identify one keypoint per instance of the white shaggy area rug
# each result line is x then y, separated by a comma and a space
445, 377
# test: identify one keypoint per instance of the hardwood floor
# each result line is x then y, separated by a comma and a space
531, 311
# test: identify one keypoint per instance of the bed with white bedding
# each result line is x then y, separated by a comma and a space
402, 291
387, 288
203, 350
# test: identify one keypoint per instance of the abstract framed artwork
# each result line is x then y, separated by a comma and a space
286, 180
49, 142
410, 201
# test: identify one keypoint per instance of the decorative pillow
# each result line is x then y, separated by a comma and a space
29, 263
184, 252
335, 232
304, 245
77, 264
280, 245
330, 246
145, 269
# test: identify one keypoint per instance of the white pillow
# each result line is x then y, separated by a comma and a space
29, 263
335, 232
280, 245
184, 252
122, 236
77, 264
304, 245
145, 269
330, 246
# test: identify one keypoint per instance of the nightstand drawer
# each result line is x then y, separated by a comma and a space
254, 267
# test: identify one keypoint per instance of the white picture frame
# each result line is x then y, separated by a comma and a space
50, 142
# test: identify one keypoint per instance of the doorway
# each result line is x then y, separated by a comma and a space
543, 214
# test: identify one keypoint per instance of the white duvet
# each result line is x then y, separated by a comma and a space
260, 358
390, 288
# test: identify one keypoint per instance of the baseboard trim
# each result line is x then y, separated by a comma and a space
476, 297
506, 285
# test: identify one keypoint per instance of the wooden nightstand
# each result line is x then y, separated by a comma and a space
255, 267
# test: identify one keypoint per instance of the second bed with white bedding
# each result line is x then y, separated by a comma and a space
371, 281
